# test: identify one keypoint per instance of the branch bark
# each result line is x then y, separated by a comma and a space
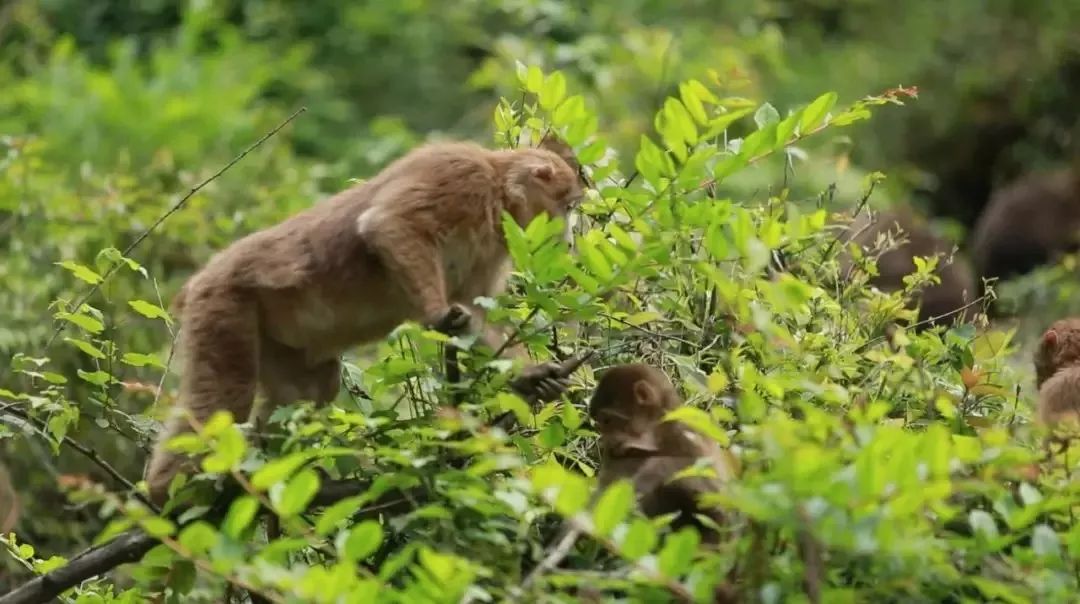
132, 545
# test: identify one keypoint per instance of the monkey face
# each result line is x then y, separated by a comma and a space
628, 422
551, 185
1059, 347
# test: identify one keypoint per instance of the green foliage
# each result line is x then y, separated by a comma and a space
900, 456
707, 248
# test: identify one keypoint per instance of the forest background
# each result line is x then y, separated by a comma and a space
110, 112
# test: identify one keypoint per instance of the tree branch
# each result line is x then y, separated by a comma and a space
130, 546
174, 209
88, 453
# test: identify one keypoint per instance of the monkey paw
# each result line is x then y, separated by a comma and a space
455, 321
544, 382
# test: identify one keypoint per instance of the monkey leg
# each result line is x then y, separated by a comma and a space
221, 352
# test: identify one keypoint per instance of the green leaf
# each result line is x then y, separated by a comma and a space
87, 323
136, 359
1045, 542
699, 421
97, 378
678, 552
766, 115
996, 590
759, 143
639, 539
553, 91
337, 513
198, 538
850, 117
534, 79
702, 92
227, 451
508, 401
640, 318
983, 524
241, 514
692, 100
785, 129
593, 260
148, 310
81, 272
651, 161
718, 125
296, 496
570, 110
553, 435
278, 470
53, 378
593, 152
814, 113
682, 120
728, 166
182, 577
360, 542
613, 506
158, 527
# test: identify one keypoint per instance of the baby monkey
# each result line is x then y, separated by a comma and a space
1057, 372
419, 241
627, 408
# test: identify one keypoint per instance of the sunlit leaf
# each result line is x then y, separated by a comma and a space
613, 506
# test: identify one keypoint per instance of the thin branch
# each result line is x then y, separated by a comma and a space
86, 452
130, 546
554, 558
810, 551
175, 208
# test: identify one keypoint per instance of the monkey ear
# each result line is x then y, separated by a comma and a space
542, 172
1050, 338
645, 394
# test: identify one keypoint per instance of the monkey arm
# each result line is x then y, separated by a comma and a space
408, 250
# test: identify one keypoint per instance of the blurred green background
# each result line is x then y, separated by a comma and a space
110, 111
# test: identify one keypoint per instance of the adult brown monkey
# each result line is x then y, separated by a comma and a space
419, 241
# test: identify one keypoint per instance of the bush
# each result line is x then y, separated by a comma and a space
875, 462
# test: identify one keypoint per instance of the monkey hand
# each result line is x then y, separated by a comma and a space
543, 382
455, 321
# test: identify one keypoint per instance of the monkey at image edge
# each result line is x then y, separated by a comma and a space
419, 241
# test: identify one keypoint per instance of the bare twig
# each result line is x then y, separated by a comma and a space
175, 208
554, 558
86, 452
813, 560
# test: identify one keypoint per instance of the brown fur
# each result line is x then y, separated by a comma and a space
423, 237
957, 287
1057, 372
627, 406
9, 502
1028, 223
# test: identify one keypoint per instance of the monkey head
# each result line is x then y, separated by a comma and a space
1059, 347
627, 408
539, 181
